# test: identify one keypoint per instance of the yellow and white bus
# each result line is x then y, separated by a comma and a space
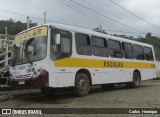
57, 56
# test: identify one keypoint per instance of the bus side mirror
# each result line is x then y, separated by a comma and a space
58, 39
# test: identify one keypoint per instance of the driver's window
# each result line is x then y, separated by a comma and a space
62, 50
65, 45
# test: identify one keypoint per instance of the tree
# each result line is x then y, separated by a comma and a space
148, 35
100, 29
13, 26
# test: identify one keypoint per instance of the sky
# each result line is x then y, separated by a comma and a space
89, 14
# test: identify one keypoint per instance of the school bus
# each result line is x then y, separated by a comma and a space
55, 56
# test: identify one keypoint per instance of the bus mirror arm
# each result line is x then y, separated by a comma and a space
58, 39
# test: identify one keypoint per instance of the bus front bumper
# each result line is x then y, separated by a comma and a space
40, 81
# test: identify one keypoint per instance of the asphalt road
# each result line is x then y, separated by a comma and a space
146, 96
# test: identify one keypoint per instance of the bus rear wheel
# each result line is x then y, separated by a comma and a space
136, 81
82, 85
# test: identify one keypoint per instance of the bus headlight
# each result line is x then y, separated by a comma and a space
37, 72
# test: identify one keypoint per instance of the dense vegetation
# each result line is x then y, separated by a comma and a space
13, 27
153, 40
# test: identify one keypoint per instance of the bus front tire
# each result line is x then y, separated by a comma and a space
82, 85
136, 81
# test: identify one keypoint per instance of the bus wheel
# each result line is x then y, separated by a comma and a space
82, 85
136, 81
48, 91
107, 86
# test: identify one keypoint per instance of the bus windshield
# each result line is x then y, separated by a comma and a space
28, 51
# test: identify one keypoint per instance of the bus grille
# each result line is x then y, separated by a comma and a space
23, 76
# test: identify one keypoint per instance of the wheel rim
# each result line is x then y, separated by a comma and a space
82, 85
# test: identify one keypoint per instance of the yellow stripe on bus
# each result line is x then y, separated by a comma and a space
92, 63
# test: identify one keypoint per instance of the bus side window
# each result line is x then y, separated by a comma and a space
83, 44
128, 50
115, 49
148, 54
99, 46
138, 52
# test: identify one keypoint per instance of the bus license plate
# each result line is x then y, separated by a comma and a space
21, 83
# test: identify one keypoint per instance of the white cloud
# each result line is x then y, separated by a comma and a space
147, 9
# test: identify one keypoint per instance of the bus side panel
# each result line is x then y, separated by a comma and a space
148, 74
103, 75
66, 76
49, 67
118, 76
127, 75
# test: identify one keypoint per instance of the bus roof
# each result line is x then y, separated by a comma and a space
89, 32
